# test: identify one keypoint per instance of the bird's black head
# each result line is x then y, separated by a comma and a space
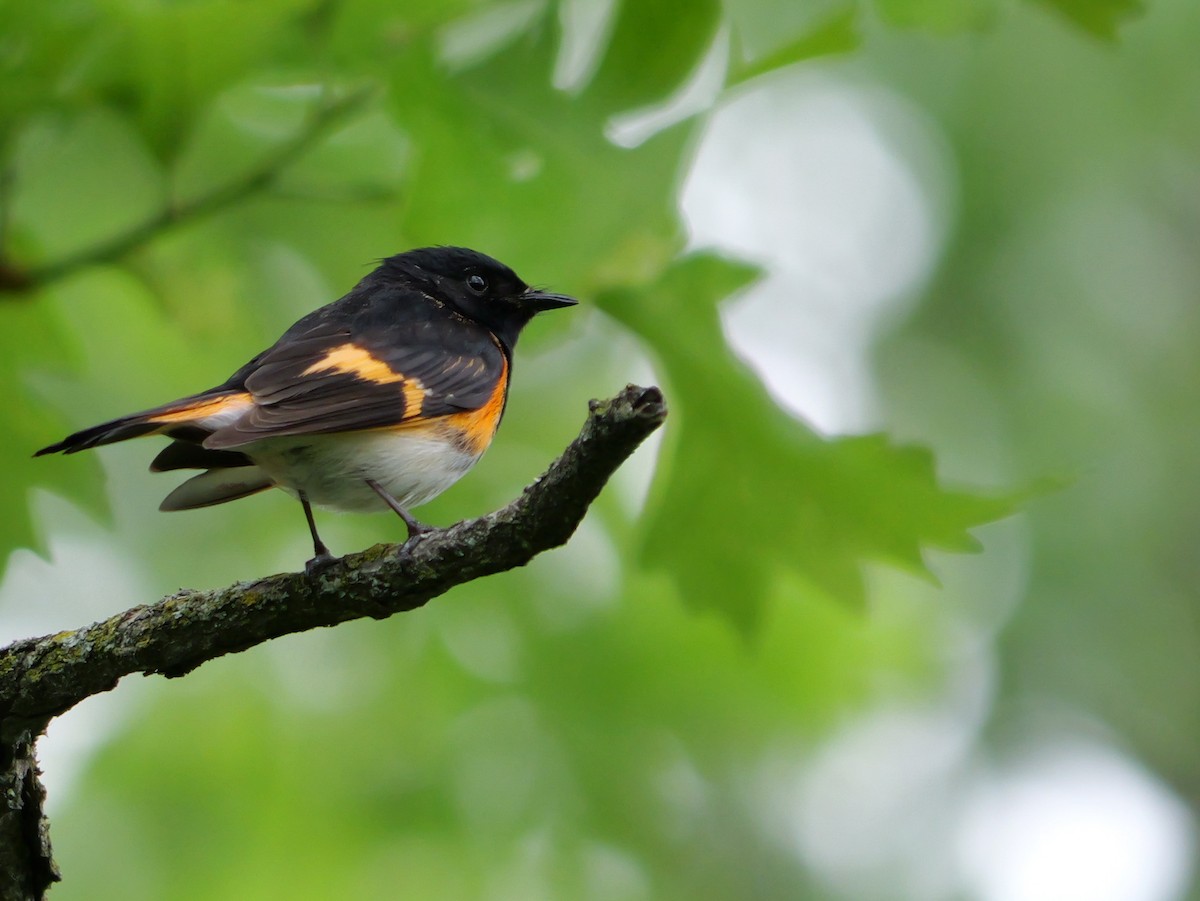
474, 284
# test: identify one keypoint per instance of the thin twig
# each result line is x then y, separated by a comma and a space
14, 278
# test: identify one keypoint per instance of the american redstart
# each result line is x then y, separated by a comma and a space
385, 397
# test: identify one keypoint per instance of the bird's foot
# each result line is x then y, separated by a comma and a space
415, 528
319, 564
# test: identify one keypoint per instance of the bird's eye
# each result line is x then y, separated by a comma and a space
477, 283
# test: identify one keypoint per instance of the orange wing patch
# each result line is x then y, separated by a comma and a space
228, 405
475, 428
361, 363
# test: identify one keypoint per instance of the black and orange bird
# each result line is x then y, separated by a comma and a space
382, 399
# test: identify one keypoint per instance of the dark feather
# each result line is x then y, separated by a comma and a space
216, 487
187, 455
451, 363
105, 433
132, 426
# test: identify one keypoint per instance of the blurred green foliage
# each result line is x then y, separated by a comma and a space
183, 180
835, 503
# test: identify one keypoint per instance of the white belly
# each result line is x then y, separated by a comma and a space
332, 470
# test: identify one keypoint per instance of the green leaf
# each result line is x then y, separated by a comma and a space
498, 138
178, 56
44, 50
32, 342
654, 47
370, 34
944, 17
1100, 17
78, 179
836, 33
758, 493
240, 128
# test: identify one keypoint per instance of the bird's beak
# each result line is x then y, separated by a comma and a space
544, 300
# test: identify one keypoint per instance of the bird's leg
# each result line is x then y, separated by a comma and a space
415, 528
322, 558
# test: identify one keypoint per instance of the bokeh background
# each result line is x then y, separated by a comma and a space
901, 266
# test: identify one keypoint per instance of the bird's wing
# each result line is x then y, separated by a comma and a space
335, 378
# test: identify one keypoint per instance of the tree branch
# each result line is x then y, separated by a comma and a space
43, 677
17, 279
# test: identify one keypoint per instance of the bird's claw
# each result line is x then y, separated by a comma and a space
319, 564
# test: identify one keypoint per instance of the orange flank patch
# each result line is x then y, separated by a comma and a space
203, 409
360, 362
475, 428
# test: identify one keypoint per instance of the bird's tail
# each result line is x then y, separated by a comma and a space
230, 474
105, 433
199, 413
